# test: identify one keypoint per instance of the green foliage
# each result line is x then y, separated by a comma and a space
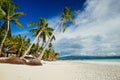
1, 34
17, 14
64, 26
2, 13
66, 16
16, 22
42, 25
4, 28
18, 44
9, 9
34, 50
50, 54
10, 16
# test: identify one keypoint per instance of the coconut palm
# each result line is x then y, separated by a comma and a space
46, 32
50, 54
41, 30
34, 49
66, 15
22, 44
17, 44
10, 16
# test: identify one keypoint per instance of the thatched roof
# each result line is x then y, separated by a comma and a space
11, 51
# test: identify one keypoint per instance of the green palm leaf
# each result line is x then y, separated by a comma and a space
33, 30
17, 14
64, 26
44, 37
53, 38
16, 22
2, 13
32, 24
67, 14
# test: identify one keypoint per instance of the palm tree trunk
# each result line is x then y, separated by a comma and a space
31, 45
1, 46
48, 42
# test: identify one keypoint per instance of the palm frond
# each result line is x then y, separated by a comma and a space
33, 30
46, 32
2, 13
44, 37
71, 19
64, 26
17, 14
53, 38
43, 22
34, 34
32, 24
67, 15
46, 25
16, 22
50, 29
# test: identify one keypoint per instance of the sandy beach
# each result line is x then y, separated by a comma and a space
62, 70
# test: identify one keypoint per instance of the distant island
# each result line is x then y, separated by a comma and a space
87, 57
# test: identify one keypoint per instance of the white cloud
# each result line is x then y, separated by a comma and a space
97, 30
53, 21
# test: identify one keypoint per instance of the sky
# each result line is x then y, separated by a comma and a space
97, 28
35, 9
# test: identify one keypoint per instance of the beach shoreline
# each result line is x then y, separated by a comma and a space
62, 70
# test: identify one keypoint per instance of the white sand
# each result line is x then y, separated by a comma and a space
62, 70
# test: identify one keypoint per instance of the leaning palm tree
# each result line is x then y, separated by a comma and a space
46, 32
10, 16
41, 30
66, 15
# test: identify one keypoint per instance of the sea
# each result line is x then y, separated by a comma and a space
91, 58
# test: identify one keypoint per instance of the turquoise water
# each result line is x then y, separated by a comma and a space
97, 60
106, 60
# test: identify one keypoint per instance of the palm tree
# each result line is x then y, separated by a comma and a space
17, 44
10, 16
46, 33
50, 54
66, 15
41, 30
34, 49
22, 45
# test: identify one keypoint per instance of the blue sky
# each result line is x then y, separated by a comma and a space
97, 28
35, 9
